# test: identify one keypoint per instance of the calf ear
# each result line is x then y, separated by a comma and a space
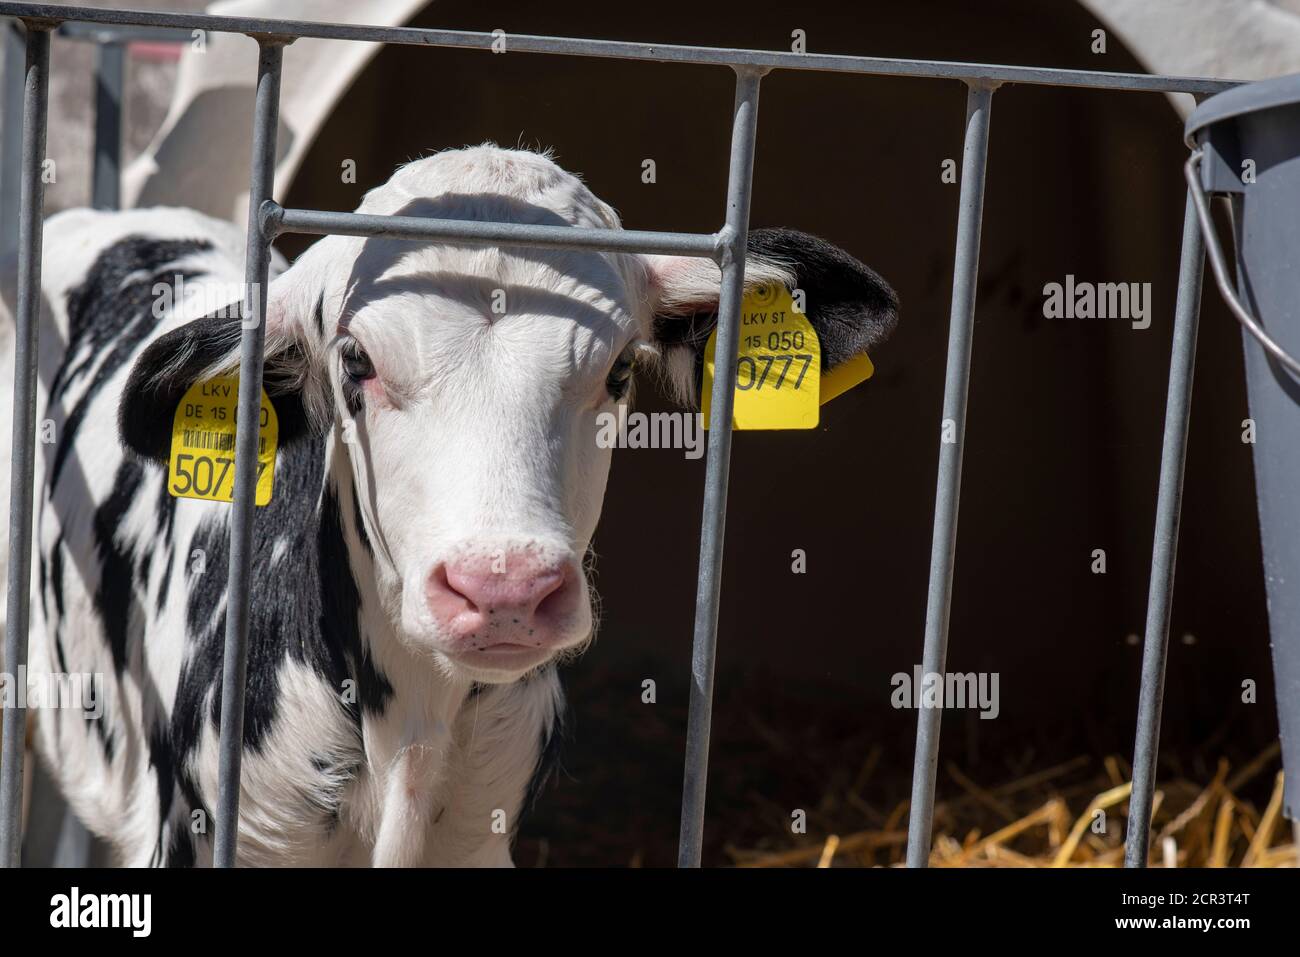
198, 350
851, 308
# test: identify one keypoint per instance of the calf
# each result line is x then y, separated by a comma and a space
418, 572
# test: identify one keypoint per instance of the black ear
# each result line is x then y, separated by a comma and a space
174, 362
850, 306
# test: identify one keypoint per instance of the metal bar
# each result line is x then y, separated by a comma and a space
105, 33
961, 329
289, 30
110, 76
266, 119
744, 130
276, 219
21, 477
1164, 549
11, 138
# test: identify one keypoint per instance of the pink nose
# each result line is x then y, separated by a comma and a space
510, 599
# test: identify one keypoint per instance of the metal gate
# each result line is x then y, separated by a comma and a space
267, 220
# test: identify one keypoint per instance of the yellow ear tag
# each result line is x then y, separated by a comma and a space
846, 375
202, 463
778, 365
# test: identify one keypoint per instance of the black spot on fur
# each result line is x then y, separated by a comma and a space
104, 731
56, 574
202, 666
43, 580
115, 595
340, 601
120, 285
304, 606
109, 315
180, 850
177, 841
165, 582
142, 572
165, 512
56, 592
163, 762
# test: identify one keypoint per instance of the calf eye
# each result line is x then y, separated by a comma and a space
356, 364
620, 374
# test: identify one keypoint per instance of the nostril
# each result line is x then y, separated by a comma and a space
550, 589
448, 588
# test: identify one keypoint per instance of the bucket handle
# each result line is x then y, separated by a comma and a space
1191, 170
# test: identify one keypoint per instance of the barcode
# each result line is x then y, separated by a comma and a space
216, 441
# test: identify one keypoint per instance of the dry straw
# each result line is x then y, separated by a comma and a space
1029, 823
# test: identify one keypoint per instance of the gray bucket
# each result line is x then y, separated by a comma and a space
1247, 146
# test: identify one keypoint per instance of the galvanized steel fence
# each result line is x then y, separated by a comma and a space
267, 220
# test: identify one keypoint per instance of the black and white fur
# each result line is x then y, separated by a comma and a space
369, 737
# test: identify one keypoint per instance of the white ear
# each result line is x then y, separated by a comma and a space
299, 329
293, 296
687, 285
683, 293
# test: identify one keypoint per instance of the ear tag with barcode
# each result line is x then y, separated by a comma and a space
778, 365
202, 462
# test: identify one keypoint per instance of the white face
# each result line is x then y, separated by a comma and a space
475, 432
466, 384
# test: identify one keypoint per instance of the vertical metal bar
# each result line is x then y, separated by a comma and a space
30, 214
1164, 549
243, 511
110, 75
961, 329
11, 139
744, 128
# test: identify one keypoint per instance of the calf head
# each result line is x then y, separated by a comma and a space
464, 384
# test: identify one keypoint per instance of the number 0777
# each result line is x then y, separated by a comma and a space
753, 372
